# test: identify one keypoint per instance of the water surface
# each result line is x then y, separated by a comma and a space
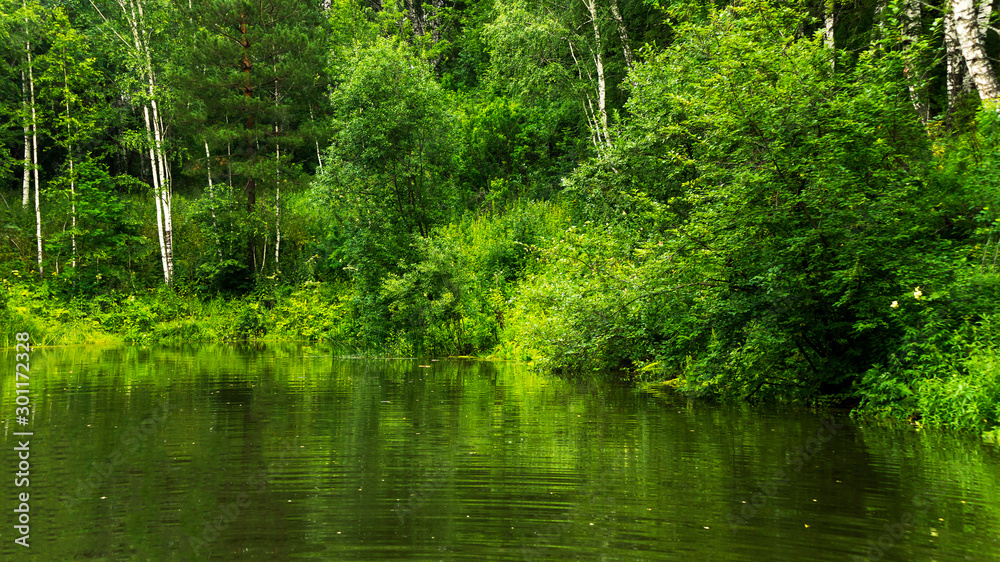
285, 452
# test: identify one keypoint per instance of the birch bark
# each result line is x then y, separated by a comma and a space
134, 14
828, 23
602, 110
72, 176
211, 201
971, 41
623, 35
911, 35
953, 60
34, 158
26, 178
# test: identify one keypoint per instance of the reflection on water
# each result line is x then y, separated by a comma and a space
284, 452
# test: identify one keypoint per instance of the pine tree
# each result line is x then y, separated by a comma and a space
254, 68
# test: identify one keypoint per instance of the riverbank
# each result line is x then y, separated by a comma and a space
321, 312
312, 312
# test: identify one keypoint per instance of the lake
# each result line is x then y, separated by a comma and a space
285, 452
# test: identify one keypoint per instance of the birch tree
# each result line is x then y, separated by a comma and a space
954, 61
559, 48
600, 117
829, 21
26, 161
915, 79
29, 14
137, 41
623, 35
972, 44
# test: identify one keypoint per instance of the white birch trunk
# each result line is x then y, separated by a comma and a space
602, 111
277, 186
229, 157
211, 188
588, 106
263, 252
623, 35
971, 41
436, 22
953, 60
211, 201
164, 193
156, 194
984, 12
72, 176
72, 204
159, 168
416, 18
34, 160
911, 35
277, 227
828, 23
319, 156
26, 178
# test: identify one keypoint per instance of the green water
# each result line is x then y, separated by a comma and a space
285, 453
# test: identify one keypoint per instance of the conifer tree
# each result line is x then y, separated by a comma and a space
254, 67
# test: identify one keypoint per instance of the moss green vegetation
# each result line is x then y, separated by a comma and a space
708, 195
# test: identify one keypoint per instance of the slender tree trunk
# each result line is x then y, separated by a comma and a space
277, 193
602, 110
34, 159
953, 60
26, 178
157, 202
588, 105
72, 204
416, 16
72, 172
623, 35
132, 10
211, 201
229, 158
166, 196
829, 6
971, 41
435, 23
163, 167
277, 183
277, 227
263, 251
319, 156
914, 79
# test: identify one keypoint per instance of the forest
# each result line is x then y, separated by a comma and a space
766, 201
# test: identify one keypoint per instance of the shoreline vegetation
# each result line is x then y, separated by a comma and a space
760, 201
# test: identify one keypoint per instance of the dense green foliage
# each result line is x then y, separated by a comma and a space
751, 200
